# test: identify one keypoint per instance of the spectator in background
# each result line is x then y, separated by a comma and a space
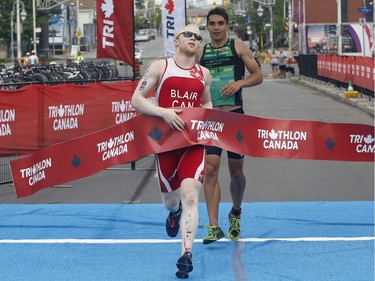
257, 56
25, 59
274, 62
282, 64
267, 57
78, 58
254, 45
33, 59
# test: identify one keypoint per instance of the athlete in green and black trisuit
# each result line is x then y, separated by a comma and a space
226, 59
225, 66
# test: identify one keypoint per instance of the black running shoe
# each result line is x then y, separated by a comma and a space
184, 265
172, 224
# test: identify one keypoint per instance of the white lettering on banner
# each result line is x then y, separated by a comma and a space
7, 115
65, 124
277, 144
115, 146
344, 68
121, 106
173, 18
281, 139
124, 111
170, 26
123, 117
364, 144
207, 125
207, 135
66, 110
115, 151
108, 34
36, 172
66, 116
207, 129
5, 130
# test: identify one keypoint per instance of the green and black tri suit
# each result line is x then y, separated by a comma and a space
225, 66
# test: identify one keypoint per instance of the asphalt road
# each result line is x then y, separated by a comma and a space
268, 180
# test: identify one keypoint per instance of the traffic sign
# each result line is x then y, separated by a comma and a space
365, 10
362, 21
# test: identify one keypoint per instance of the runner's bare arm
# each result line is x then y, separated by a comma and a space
255, 77
206, 97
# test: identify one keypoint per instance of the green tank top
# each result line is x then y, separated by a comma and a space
225, 66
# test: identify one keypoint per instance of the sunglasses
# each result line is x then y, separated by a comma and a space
188, 34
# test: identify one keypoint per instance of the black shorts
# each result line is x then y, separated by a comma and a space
214, 150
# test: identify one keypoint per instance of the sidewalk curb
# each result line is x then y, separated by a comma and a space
364, 103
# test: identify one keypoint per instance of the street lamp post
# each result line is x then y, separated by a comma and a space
271, 29
34, 26
260, 10
19, 16
11, 34
290, 25
260, 14
78, 31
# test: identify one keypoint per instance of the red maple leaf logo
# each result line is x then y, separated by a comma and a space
169, 6
196, 73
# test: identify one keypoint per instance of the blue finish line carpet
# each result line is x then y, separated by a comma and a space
279, 241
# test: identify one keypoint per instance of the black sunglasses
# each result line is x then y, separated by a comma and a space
188, 34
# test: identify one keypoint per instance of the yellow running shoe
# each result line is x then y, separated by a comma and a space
214, 233
234, 231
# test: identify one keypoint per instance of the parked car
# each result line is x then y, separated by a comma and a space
152, 34
138, 54
142, 35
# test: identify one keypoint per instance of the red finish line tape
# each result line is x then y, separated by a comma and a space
144, 135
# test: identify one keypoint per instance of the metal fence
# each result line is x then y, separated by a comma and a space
5, 174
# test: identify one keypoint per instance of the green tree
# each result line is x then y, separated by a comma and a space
6, 6
239, 23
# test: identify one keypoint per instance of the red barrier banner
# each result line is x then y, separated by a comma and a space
359, 70
114, 22
363, 72
144, 135
19, 121
72, 111
38, 116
